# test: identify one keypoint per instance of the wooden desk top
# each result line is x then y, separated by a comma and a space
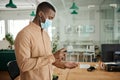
82, 74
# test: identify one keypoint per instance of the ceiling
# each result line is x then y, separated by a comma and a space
59, 4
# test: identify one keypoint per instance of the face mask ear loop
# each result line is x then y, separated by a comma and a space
44, 17
41, 17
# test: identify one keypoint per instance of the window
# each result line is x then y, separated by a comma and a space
16, 25
2, 29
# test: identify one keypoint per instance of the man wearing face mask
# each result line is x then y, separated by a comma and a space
33, 47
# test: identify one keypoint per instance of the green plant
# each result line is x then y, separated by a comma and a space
55, 43
9, 38
55, 77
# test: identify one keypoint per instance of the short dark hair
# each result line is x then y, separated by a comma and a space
44, 6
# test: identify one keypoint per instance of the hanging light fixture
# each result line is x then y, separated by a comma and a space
74, 6
118, 10
11, 4
32, 13
74, 12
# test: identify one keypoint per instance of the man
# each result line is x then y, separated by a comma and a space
33, 48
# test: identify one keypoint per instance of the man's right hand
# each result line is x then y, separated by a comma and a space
70, 65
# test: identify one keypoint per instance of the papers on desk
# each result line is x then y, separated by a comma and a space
84, 65
109, 63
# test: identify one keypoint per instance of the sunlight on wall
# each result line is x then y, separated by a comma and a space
2, 29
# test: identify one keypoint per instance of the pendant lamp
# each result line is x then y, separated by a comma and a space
32, 13
74, 12
11, 4
118, 10
74, 6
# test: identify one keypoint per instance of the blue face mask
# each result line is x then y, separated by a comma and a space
48, 23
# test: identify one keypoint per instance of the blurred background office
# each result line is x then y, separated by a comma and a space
81, 23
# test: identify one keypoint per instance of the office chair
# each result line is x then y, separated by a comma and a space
13, 69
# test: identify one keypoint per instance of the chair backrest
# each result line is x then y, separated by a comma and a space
70, 49
13, 69
92, 48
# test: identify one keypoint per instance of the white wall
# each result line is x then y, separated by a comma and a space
15, 14
4, 44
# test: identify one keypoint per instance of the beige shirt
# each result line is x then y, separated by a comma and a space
33, 53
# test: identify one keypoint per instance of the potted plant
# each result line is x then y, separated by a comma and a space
55, 43
10, 39
55, 77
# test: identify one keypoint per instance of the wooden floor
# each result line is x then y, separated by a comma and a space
4, 75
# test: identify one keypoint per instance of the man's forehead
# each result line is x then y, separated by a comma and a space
50, 12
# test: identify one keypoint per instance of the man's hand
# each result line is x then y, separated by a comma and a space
70, 65
60, 54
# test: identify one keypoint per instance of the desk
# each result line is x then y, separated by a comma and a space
83, 74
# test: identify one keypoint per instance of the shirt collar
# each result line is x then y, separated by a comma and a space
36, 26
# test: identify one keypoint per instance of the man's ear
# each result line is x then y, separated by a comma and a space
40, 13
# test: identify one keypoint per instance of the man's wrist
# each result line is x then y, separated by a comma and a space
51, 58
64, 65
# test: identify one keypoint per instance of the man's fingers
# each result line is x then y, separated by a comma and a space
60, 54
63, 49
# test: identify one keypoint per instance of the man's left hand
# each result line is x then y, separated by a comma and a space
60, 54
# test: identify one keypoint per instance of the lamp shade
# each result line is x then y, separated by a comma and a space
74, 6
118, 10
32, 14
11, 4
74, 12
